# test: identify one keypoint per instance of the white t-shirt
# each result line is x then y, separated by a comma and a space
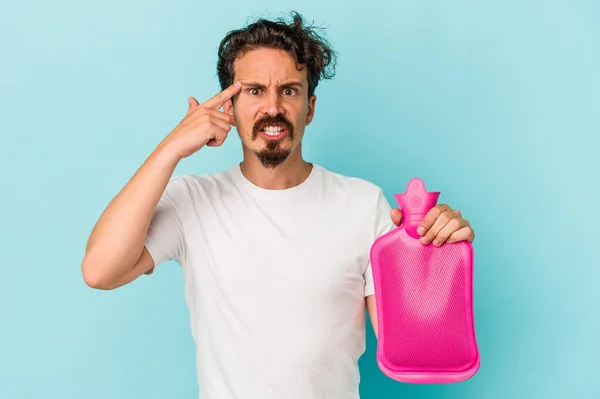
275, 280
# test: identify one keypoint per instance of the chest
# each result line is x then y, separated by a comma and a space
320, 252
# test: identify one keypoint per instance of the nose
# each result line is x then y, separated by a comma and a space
272, 104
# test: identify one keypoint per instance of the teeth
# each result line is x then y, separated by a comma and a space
273, 130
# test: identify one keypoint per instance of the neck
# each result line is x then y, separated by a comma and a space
293, 171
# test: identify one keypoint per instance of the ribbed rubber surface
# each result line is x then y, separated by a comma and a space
424, 303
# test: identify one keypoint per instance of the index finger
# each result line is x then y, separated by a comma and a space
218, 100
431, 217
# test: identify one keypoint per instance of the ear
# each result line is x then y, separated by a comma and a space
311, 109
228, 109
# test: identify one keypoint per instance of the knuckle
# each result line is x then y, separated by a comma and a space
445, 217
454, 224
430, 219
443, 235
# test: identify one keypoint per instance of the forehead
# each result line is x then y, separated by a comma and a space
267, 66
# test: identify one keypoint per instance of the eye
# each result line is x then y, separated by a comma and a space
289, 91
253, 91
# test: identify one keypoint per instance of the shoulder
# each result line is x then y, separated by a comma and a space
351, 185
361, 198
184, 189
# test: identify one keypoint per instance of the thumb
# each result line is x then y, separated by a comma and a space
396, 215
193, 103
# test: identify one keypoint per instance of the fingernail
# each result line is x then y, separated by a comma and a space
421, 230
436, 242
424, 240
238, 83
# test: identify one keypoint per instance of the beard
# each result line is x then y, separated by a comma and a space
273, 154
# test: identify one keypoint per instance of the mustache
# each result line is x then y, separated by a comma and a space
272, 120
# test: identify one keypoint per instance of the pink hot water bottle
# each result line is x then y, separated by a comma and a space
424, 296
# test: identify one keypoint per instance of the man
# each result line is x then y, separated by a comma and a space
274, 250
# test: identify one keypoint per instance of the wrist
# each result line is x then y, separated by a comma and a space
167, 153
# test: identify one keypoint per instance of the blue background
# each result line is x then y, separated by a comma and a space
495, 104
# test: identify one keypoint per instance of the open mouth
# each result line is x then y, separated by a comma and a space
273, 131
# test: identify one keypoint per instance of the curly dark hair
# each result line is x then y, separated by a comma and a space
299, 40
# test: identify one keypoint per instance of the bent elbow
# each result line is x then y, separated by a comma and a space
92, 276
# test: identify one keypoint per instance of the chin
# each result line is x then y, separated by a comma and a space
272, 154
272, 159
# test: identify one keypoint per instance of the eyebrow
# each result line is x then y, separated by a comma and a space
283, 85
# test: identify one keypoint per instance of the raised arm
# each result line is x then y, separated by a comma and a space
115, 253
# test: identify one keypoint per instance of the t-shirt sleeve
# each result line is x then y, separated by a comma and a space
382, 224
165, 238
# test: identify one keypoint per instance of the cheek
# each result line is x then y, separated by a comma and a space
247, 103
295, 108
299, 116
244, 115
